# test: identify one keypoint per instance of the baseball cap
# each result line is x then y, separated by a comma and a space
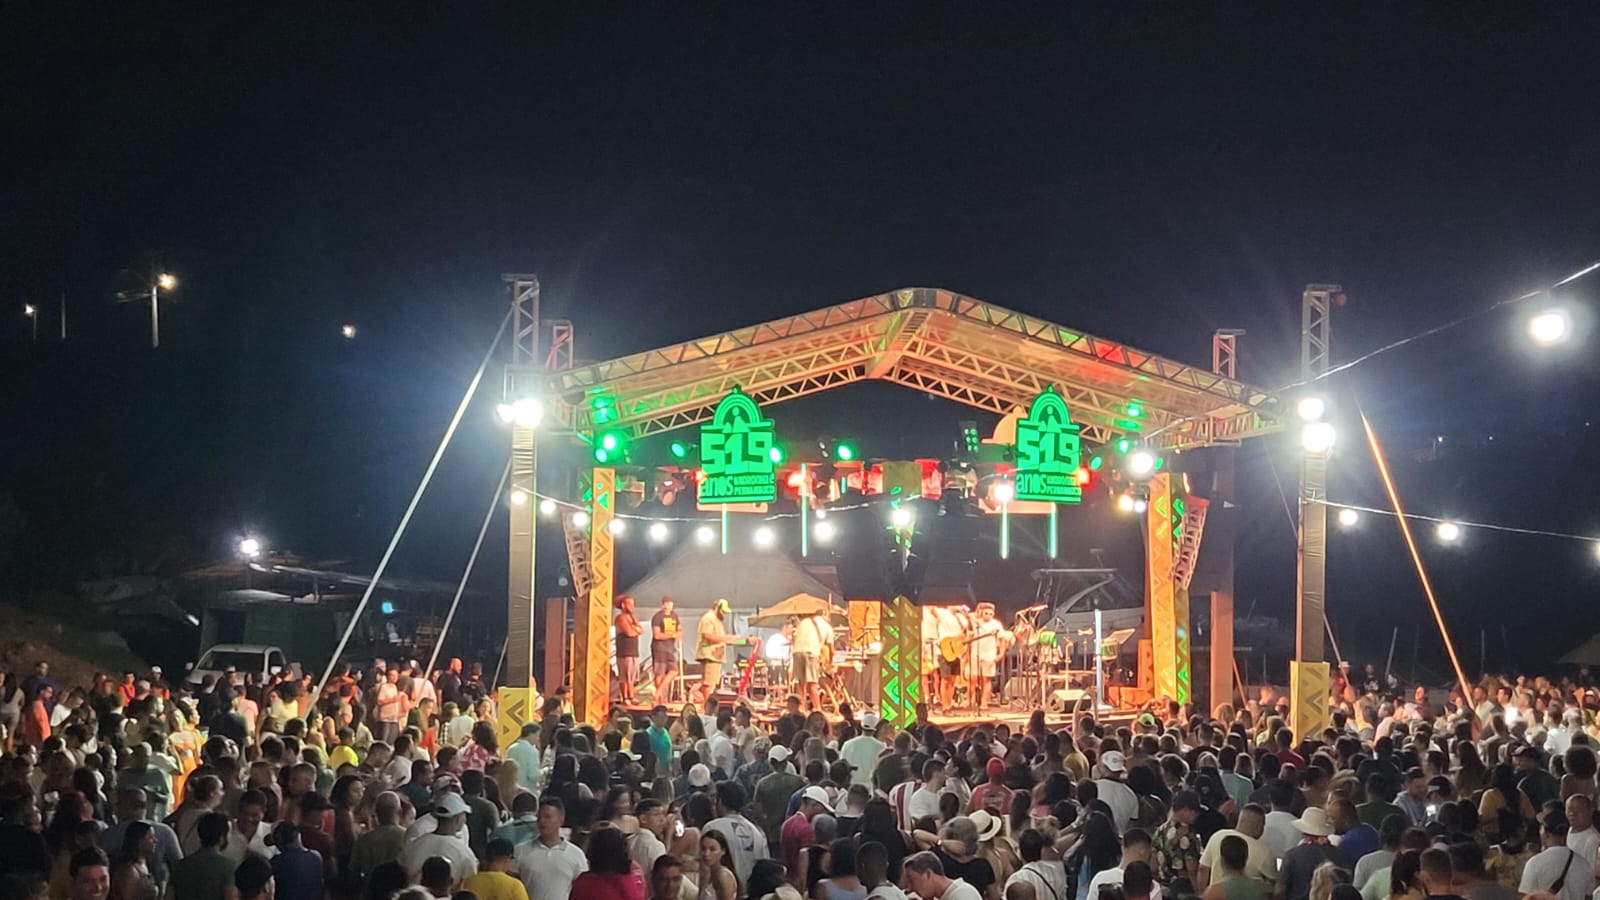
818, 795
996, 767
778, 753
1527, 752
721, 604
1185, 800
869, 720
448, 805
1114, 761
699, 775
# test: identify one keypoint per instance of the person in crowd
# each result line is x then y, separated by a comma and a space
1557, 869
206, 873
611, 875
1232, 881
550, 863
925, 876
1302, 860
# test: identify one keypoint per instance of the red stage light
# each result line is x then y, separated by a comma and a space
796, 479
1084, 476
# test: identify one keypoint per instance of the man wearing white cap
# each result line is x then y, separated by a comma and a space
773, 792
1121, 798
863, 750
446, 840
796, 832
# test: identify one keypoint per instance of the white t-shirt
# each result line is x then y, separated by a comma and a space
463, 864
1049, 880
923, 803
1123, 801
886, 891
1259, 864
1113, 877
746, 843
548, 872
397, 772
1586, 842
960, 890
861, 752
1280, 834
1542, 871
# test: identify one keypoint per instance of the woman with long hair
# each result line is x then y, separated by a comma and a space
878, 824
346, 796
678, 731
717, 878
1095, 850
612, 874
1503, 794
1405, 877
817, 725
130, 873
12, 700
483, 746
1472, 776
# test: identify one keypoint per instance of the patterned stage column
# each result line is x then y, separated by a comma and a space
900, 666
591, 665
1158, 588
1180, 607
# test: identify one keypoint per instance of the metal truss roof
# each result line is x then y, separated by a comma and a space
932, 340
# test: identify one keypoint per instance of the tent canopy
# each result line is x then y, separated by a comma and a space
1585, 654
695, 576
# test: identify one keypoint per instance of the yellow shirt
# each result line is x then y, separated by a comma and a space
495, 886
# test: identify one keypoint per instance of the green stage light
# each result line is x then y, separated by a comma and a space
844, 453
610, 441
775, 454
1124, 445
1095, 463
679, 449
601, 455
1134, 410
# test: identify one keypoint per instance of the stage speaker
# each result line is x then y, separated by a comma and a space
1066, 700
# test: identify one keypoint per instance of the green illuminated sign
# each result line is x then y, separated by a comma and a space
736, 454
1048, 450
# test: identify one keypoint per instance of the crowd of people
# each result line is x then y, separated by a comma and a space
393, 784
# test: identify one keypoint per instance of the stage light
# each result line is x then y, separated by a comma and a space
1142, 463
250, 548
1449, 532
29, 310
679, 450
1310, 409
1349, 517
1004, 492
166, 281
1125, 502
1124, 445
659, 532
1140, 506
580, 519
609, 441
507, 412
617, 527
1317, 437
764, 537
519, 497
705, 534
1596, 548
1549, 327
820, 513
796, 479
825, 531
775, 454
1095, 462
1134, 410
547, 507
844, 453
386, 607
901, 517
349, 331
1084, 476
527, 412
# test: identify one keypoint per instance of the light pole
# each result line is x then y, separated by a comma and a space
165, 281
249, 549
32, 312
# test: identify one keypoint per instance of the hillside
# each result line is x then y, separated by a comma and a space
75, 650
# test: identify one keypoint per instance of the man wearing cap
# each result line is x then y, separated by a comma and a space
773, 792
1314, 849
746, 842
1176, 845
992, 796
1557, 869
446, 840
1123, 802
989, 640
796, 831
549, 863
711, 650
863, 750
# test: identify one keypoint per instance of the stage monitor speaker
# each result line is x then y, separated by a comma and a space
1066, 699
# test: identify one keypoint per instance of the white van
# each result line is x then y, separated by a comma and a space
261, 659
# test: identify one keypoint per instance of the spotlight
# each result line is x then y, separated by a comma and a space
1142, 462
1140, 506
764, 537
527, 412
250, 548
1311, 409
825, 532
1349, 517
617, 527
507, 413
349, 331
902, 517
1596, 548
1003, 492
1125, 502
1549, 327
1317, 437
659, 532
580, 519
705, 534
547, 507
821, 513
1449, 532
519, 497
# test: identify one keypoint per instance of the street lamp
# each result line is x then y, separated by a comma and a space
1449, 532
249, 549
901, 517
349, 331
1549, 327
168, 282
32, 312
1348, 518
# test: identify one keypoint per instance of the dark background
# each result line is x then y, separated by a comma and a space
1142, 172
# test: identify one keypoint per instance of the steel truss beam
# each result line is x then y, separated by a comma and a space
936, 341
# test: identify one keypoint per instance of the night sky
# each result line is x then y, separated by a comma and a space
1143, 172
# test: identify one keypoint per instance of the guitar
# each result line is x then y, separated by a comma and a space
749, 666
953, 649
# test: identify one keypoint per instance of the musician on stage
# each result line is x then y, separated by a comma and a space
812, 636
988, 642
944, 628
711, 651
